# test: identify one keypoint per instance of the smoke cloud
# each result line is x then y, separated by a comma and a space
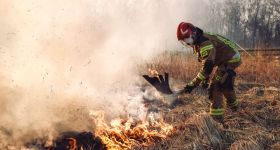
59, 58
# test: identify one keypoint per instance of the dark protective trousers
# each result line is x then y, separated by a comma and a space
222, 84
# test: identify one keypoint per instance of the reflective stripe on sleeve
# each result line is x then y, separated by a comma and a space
201, 76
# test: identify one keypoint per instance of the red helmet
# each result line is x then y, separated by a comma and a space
185, 30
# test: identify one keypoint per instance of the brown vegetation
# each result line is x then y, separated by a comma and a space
183, 66
256, 124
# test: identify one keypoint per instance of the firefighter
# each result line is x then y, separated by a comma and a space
212, 50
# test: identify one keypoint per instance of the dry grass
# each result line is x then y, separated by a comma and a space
180, 65
254, 126
260, 69
183, 66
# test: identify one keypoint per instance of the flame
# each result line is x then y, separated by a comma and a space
126, 134
72, 144
153, 72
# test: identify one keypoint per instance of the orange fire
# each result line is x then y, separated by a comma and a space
126, 134
153, 72
72, 144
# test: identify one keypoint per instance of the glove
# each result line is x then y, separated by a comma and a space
204, 84
188, 88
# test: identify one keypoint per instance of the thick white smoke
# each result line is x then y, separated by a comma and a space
59, 56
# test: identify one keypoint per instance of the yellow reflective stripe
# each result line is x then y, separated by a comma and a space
226, 41
201, 76
205, 50
235, 58
216, 112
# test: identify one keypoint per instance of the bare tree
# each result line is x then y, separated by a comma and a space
252, 23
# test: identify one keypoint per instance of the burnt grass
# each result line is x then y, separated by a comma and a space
255, 125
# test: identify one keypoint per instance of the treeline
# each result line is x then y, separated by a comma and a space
251, 23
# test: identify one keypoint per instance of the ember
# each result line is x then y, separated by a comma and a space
77, 141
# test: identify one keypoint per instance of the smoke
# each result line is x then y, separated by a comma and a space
60, 57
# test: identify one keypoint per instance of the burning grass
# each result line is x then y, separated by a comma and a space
126, 133
119, 134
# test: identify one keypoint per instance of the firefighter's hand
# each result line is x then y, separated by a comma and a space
189, 87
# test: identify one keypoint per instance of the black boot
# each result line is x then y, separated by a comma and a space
218, 118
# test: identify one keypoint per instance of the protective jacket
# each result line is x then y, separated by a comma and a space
214, 50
